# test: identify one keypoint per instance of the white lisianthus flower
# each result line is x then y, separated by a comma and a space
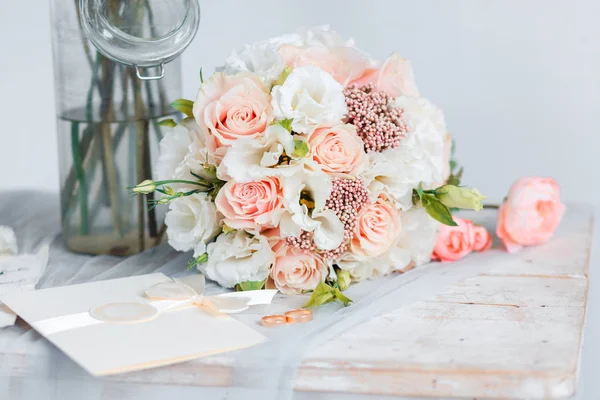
418, 235
418, 160
182, 151
325, 37
304, 197
174, 147
261, 58
254, 159
192, 222
238, 257
309, 97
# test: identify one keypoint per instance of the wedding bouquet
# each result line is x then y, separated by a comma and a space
304, 164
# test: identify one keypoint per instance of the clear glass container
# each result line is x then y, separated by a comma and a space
107, 132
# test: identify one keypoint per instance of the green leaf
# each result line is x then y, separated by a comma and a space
437, 210
201, 259
324, 294
300, 148
452, 165
286, 124
184, 106
201, 77
455, 178
170, 123
341, 298
250, 285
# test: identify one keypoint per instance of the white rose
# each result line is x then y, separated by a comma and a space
238, 257
309, 96
192, 223
304, 197
254, 159
418, 160
261, 58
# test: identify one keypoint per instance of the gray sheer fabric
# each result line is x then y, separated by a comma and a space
31, 368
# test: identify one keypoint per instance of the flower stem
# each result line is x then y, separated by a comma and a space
78, 165
491, 206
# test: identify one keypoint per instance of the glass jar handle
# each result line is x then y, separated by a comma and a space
161, 73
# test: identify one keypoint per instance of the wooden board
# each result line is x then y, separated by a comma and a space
513, 331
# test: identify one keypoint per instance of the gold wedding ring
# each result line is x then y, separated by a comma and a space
272, 320
298, 316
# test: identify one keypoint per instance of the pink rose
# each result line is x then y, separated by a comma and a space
483, 239
338, 149
295, 271
454, 242
343, 63
395, 77
377, 228
232, 107
251, 205
530, 214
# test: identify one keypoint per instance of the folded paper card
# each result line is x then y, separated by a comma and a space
121, 325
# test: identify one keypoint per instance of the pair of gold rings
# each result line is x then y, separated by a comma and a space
291, 317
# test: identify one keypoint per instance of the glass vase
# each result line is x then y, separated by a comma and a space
107, 134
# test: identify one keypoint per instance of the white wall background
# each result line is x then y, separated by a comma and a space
519, 81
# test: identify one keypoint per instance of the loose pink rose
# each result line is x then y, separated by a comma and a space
483, 239
251, 205
395, 77
377, 227
530, 214
454, 242
232, 107
343, 63
338, 149
295, 271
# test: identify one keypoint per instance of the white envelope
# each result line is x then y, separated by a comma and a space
109, 348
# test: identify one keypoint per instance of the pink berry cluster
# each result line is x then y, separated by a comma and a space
303, 243
379, 125
346, 199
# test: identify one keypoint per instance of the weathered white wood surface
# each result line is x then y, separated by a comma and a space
514, 331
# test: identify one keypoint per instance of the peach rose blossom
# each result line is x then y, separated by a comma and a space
338, 149
376, 230
395, 77
530, 214
253, 205
343, 63
295, 271
230, 107
483, 239
454, 242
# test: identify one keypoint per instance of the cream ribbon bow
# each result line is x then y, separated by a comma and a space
190, 290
